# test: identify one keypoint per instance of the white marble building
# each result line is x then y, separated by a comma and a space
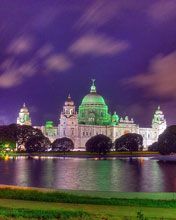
93, 118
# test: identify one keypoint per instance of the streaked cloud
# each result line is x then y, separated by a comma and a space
99, 13
58, 62
98, 45
45, 50
13, 74
163, 10
160, 79
20, 45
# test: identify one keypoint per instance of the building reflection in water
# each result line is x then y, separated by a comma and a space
169, 175
152, 177
21, 171
122, 174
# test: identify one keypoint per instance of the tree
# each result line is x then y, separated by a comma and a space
153, 147
7, 139
100, 144
20, 134
129, 142
63, 144
167, 140
37, 144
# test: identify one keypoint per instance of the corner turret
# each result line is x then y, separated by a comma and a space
24, 116
159, 121
115, 119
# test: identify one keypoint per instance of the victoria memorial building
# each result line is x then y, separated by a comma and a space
93, 118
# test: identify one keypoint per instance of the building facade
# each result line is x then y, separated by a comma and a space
93, 118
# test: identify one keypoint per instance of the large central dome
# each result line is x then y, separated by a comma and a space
93, 109
93, 98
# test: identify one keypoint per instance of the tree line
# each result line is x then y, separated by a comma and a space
30, 139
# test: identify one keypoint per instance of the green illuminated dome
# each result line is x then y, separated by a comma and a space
93, 109
93, 98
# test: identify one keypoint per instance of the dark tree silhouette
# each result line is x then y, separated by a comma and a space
37, 144
167, 140
19, 134
63, 144
153, 147
25, 132
100, 144
7, 138
129, 142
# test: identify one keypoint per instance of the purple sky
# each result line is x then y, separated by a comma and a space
51, 48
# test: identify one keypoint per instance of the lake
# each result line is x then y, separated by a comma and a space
115, 174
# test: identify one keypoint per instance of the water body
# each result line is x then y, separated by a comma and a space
122, 175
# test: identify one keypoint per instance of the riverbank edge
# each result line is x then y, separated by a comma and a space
84, 154
7, 191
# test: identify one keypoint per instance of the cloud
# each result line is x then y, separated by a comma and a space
160, 80
45, 50
99, 13
20, 45
162, 11
9, 79
58, 62
14, 71
13, 74
98, 45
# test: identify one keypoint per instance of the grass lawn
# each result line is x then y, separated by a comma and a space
95, 211
125, 195
33, 203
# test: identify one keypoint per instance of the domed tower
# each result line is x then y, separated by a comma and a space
93, 109
159, 121
24, 116
69, 107
115, 119
68, 120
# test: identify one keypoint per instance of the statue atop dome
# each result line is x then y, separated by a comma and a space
93, 87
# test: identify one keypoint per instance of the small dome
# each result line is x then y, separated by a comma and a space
24, 109
115, 119
49, 124
158, 111
69, 101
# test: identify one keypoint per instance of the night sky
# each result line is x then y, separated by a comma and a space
50, 48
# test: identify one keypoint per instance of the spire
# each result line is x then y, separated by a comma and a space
69, 97
158, 107
93, 87
24, 105
69, 101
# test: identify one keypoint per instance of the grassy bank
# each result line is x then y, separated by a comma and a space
68, 197
30, 203
33, 213
45, 210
